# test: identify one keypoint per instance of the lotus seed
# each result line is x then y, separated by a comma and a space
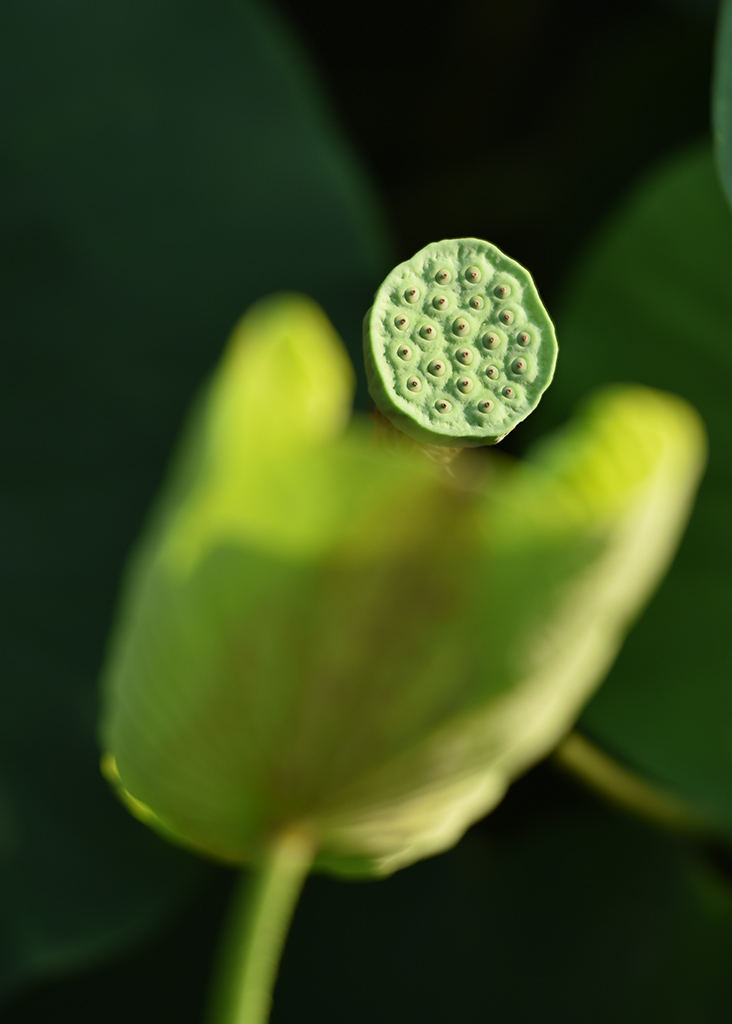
463, 286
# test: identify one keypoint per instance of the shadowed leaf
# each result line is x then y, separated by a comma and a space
162, 167
651, 301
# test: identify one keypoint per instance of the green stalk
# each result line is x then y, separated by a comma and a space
255, 937
625, 789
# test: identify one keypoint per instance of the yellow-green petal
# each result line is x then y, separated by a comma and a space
329, 633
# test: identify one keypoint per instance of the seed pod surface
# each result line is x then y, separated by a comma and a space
476, 307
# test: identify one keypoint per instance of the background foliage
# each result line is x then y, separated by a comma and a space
163, 166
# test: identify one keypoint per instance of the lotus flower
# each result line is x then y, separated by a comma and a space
326, 633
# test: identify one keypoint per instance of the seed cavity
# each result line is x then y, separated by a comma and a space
414, 384
436, 368
404, 352
411, 295
502, 291
428, 332
473, 274
519, 366
491, 341
476, 302
524, 338
509, 393
492, 372
440, 302
443, 276
486, 406
401, 322
461, 327
465, 384
443, 406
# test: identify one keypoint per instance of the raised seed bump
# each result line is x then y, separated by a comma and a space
411, 295
519, 366
404, 352
436, 368
476, 302
485, 406
473, 274
461, 327
414, 385
492, 372
443, 406
465, 384
401, 322
464, 356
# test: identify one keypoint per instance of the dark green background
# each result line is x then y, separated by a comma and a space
164, 164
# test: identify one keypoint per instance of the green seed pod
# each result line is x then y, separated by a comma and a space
509, 330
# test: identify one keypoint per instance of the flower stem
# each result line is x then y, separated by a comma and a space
625, 789
255, 937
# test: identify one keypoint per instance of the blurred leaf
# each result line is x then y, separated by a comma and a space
161, 167
652, 302
722, 96
320, 631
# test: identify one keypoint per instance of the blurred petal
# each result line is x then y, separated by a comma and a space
576, 538
319, 630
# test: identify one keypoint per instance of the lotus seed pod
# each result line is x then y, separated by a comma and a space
459, 290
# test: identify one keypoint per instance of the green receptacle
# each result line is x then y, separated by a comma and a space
459, 348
